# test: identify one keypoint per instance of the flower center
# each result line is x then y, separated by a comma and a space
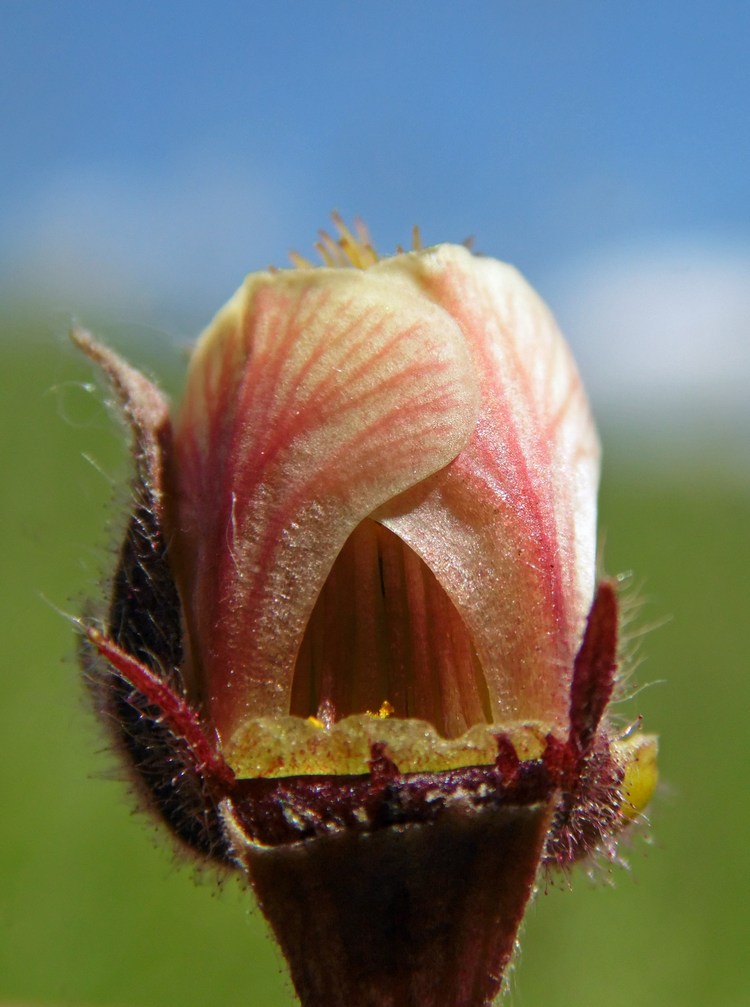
383, 630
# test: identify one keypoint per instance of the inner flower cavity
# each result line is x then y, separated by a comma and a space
384, 636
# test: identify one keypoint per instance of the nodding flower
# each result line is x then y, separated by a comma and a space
357, 606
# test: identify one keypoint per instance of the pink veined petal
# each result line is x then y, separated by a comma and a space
509, 527
313, 398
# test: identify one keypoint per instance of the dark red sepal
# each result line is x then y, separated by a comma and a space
588, 815
594, 669
173, 710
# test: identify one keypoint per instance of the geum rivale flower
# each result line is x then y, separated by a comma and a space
355, 645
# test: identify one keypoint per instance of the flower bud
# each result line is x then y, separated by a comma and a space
384, 674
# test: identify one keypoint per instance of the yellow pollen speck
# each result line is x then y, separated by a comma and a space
386, 710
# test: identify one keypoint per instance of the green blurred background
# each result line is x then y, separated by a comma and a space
96, 909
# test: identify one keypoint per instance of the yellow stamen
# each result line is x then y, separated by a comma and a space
299, 261
349, 246
327, 250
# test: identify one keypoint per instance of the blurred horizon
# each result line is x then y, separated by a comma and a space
157, 154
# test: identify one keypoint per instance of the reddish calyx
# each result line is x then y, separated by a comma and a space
290, 809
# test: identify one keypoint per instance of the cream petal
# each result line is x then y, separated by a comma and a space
314, 397
509, 527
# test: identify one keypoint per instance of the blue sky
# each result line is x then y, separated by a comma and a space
156, 152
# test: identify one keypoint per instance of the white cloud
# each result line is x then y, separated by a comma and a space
661, 329
107, 238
